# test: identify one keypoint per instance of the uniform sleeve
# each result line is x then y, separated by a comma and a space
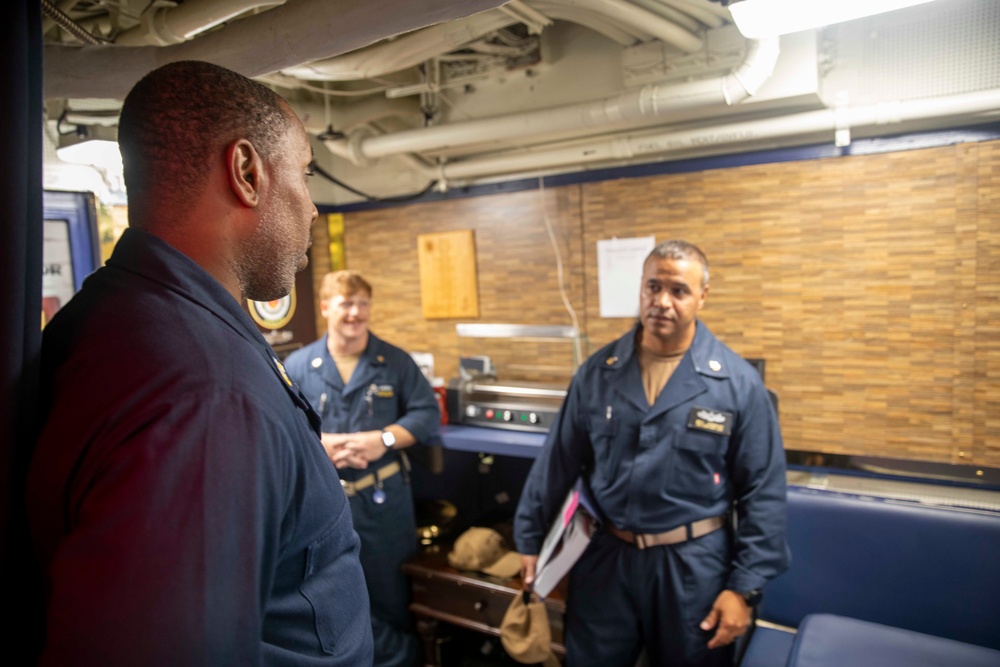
418, 406
174, 533
552, 475
758, 470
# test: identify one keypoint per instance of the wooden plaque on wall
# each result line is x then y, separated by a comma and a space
448, 284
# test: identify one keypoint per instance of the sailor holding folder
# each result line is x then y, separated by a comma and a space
678, 443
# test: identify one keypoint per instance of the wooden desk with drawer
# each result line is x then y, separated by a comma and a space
468, 600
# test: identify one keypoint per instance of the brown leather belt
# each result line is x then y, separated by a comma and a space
385, 472
688, 531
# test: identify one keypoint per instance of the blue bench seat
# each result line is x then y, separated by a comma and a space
828, 640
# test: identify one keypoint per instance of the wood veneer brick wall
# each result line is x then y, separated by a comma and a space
870, 284
516, 263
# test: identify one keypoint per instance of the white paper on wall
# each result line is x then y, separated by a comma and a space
619, 274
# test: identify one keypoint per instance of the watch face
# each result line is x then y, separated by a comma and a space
388, 439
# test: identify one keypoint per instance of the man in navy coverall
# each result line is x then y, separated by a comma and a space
679, 443
373, 401
181, 503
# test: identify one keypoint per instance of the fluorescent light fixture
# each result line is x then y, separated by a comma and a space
95, 145
97, 152
758, 19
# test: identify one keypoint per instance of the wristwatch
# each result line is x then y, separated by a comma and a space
752, 598
388, 439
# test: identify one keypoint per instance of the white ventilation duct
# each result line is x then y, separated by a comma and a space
406, 51
173, 24
610, 150
413, 49
639, 19
296, 32
630, 109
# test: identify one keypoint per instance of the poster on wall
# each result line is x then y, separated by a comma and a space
287, 323
57, 268
619, 274
273, 317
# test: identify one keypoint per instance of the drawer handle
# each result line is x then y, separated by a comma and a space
480, 605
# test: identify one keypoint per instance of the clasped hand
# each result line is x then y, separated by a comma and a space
353, 450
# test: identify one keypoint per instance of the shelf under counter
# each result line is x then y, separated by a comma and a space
504, 442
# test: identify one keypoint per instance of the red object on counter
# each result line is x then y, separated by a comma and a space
441, 392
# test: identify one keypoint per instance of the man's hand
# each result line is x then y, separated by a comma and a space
353, 450
528, 570
731, 615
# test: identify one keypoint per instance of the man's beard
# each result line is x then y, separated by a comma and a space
267, 264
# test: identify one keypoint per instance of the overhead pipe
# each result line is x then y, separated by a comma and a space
534, 20
712, 14
296, 32
403, 52
629, 109
173, 24
602, 25
629, 147
642, 19
415, 48
680, 18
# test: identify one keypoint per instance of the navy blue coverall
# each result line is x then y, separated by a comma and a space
181, 503
386, 388
651, 469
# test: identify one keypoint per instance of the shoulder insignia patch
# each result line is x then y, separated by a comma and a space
281, 369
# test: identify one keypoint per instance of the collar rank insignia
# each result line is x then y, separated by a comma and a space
610, 360
715, 365
281, 369
317, 362
713, 421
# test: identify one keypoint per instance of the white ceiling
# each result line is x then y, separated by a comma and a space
400, 95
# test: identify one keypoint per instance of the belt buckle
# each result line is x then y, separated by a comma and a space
640, 541
347, 486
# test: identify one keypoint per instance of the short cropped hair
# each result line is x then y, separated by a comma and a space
181, 116
343, 283
677, 249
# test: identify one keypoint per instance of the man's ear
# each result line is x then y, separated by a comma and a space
245, 169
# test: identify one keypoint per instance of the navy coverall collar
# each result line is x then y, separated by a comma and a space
151, 257
369, 362
702, 360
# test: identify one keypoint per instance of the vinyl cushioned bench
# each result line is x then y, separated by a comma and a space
882, 582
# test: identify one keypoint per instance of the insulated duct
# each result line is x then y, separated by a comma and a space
629, 110
610, 150
173, 24
410, 50
296, 32
406, 51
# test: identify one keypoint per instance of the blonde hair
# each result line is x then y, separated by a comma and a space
343, 283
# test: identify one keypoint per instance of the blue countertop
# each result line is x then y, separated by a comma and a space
489, 440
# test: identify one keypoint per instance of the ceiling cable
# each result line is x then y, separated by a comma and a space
402, 198
64, 21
